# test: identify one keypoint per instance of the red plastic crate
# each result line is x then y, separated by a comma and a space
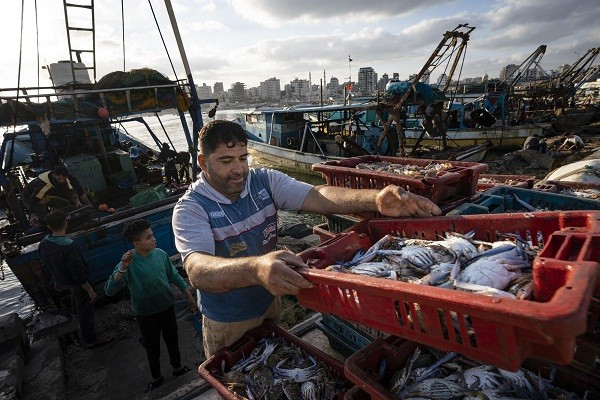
460, 180
224, 359
501, 332
522, 181
362, 368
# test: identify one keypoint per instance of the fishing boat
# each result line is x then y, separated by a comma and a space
295, 138
74, 125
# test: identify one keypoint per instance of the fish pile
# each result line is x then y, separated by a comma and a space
501, 268
433, 374
277, 369
508, 182
431, 170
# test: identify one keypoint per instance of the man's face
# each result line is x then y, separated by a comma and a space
60, 179
146, 242
226, 169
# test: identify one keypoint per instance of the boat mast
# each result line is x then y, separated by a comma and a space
195, 110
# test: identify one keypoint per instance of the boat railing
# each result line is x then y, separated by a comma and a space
105, 98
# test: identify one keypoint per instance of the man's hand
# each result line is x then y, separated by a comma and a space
275, 271
393, 201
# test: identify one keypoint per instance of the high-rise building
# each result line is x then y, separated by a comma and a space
237, 92
270, 89
367, 80
395, 76
204, 91
218, 87
298, 88
507, 71
333, 87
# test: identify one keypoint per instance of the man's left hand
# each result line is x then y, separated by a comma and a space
393, 201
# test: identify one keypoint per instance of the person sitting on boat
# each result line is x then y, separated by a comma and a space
63, 260
168, 158
148, 273
225, 228
573, 143
55, 189
535, 142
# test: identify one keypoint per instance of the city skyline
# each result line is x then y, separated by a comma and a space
232, 41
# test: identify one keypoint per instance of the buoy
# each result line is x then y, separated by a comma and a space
111, 210
103, 112
102, 207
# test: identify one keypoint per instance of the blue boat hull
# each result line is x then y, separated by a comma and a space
102, 248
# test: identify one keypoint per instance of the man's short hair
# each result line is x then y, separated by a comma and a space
61, 170
55, 220
218, 132
133, 230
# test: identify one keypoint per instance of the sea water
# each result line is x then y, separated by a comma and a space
13, 297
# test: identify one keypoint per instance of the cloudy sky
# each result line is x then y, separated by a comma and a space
253, 40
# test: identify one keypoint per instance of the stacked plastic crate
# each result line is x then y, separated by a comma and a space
500, 332
450, 187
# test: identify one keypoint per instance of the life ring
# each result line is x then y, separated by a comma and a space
483, 117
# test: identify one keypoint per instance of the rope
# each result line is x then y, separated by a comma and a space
20, 62
123, 32
165, 131
163, 40
37, 45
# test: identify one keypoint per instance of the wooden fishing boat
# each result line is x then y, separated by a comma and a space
72, 125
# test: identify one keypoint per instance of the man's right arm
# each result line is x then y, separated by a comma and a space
274, 271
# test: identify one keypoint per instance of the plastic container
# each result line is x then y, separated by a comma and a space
362, 368
501, 332
148, 196
224, 359
503, 199
460, 180
343, 337
488, 181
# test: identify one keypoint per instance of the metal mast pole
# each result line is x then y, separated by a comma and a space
195, 111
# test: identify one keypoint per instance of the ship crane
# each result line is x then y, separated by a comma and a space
510, 82
579, 73
450, 51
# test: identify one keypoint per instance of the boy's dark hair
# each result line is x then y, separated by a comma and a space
61, 170
219, 132
55, 220
134, 229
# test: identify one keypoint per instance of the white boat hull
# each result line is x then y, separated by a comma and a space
500, 137
286, 158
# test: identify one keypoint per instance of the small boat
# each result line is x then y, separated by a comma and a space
74, 125
296, 138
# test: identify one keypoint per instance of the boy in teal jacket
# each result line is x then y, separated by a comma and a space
148, 272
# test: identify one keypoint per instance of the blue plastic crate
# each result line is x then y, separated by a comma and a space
343, 337
505, 199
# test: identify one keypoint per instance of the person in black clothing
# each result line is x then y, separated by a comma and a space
534, 142
65, 264
168, 157
55, 189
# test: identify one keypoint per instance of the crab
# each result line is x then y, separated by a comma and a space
297, 375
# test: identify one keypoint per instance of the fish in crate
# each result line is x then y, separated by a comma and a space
271, 363
501, 268
397, 368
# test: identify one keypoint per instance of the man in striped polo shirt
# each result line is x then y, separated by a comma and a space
225, 228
